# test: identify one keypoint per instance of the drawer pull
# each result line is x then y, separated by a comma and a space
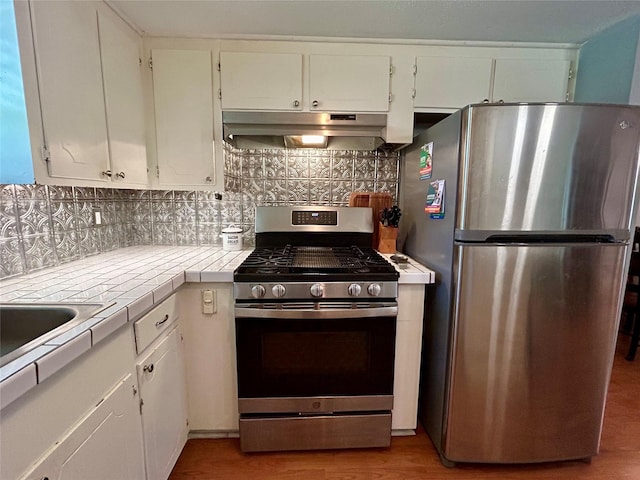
148, 368
166, 317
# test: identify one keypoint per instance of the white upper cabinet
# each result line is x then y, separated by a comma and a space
276, 81
531, 80
90, 90
121, 63
71, 95
261, 81
350, 83
452, 82
183, 101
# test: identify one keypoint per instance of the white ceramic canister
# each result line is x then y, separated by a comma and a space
231, 238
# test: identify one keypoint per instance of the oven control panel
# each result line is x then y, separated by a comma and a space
315, 290
314, 217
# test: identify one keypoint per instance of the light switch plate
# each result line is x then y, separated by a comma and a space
208, 302
97, 216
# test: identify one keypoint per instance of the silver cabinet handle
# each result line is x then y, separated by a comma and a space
296, 103
160, 322
106, 173
315, 103
148, 368
120, 175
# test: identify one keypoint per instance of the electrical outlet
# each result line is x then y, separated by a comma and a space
97, 216
208, 302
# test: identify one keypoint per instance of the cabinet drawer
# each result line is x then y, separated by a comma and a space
155, 322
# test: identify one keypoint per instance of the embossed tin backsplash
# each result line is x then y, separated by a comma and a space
43, 226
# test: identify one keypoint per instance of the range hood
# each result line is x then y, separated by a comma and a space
344, 131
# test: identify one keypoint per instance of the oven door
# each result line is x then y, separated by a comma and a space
335, 355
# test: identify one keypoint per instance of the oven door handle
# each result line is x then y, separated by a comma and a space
388, 310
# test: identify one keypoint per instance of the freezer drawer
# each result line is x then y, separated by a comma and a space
533, 338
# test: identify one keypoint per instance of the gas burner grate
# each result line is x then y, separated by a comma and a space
315, 257
305, 260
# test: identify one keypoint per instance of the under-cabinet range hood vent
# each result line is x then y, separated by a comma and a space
338, 131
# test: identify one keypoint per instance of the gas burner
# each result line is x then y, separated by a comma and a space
267, 270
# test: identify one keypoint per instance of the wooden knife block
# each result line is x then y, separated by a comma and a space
376, 201
387, 239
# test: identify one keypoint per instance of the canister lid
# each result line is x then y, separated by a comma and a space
232, 229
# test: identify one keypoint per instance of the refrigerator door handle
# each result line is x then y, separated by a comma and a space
567, 236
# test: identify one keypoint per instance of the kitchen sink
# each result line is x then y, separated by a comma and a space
24, 327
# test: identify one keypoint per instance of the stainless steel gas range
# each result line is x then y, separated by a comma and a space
315, 310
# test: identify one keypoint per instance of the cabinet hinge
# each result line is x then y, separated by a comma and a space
187, 423
157, 171
390, 97
150, 63
415, 68
390, 70
139, 61
135, 390
220, 93
566, 97
218, 66
413, 93
46, 155
141, 404
570, 73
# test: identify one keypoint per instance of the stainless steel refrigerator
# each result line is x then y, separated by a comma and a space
530, 247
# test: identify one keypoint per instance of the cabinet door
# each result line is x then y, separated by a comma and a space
212, 393
164, 416
261, 81
349, 83
120, 53
104, 445
452, 82
408, 355
70, 81
526, 80
183, 100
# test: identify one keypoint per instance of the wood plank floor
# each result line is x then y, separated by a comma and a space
415, 458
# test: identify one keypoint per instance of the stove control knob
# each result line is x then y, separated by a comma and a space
374, 289
317, 290
354, 289
278, 291
257, 291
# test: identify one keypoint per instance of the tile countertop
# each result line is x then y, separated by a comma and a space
127, 282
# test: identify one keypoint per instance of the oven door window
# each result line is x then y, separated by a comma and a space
301, 357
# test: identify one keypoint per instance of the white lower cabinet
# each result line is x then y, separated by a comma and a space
163, 406
82, 422
210, 358
408, 354
105, 444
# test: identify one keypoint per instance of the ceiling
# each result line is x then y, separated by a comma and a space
546, 21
